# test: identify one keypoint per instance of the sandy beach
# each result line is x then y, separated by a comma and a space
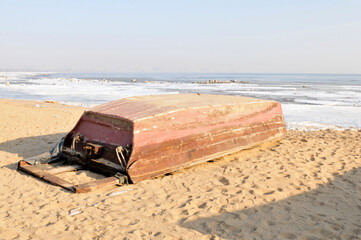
306, 187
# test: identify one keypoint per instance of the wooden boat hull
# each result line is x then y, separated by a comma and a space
144, 137
191, 136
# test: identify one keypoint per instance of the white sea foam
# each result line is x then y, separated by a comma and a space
341, 116
305, 104
311, 126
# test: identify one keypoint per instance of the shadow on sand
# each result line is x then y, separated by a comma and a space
331, 211
30, 146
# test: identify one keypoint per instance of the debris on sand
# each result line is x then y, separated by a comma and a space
119, 192
74, 211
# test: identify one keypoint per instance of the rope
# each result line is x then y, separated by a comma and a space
121, 159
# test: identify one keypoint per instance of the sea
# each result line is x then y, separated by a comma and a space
309, 101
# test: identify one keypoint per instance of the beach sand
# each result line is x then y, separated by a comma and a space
306, 187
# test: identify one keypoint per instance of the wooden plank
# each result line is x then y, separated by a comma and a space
32, 170
94, 185
82, 188
63, 169
45, 176
59, 182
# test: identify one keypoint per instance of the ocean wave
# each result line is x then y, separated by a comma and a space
312, 102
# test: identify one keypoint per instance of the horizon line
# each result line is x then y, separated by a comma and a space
170, 72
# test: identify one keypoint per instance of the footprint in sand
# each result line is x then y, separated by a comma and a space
269, 193
224, 181
203, 205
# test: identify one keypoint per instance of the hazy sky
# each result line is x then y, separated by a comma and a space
304, 36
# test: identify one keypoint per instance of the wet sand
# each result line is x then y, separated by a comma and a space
306, 187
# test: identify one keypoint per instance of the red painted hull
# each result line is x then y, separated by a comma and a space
169, 132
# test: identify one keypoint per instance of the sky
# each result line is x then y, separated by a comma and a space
289, 36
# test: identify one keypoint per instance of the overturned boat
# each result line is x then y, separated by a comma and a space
138, 138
